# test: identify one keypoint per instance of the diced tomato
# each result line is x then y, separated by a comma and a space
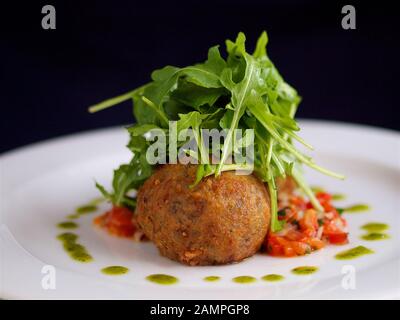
280, 246
289, 251
295, 235
337, 238
335, 225
316, 243
334, 230
305, 229
298, 202
309, 223
325, 200
300, 248
274, 248
323, 197
117, 221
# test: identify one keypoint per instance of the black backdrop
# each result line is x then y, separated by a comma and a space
102, 49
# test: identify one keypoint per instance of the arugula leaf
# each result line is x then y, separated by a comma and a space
173, 108
126, 178
143, 114
104, 192
235, 59
193, 120
243, 91
260, 51
207, 74
240, 92
141, 129
196, 96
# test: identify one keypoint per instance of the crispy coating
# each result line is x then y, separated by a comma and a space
221, 220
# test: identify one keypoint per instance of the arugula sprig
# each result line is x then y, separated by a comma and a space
242, 91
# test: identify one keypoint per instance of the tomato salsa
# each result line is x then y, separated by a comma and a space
119, 221
306, 229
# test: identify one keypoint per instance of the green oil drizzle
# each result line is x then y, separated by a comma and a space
72, 247
81, 256
273, 277
67, 237
338, 196
85, 209
244, 279
375, 231
75, 250
115, 270
212, 278
97, 201
375, 236
304, 270
353, 253
355, 208
317, 189
67, 225
89, 208
375, 227
163, 279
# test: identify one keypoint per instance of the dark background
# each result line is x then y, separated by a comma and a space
102, 49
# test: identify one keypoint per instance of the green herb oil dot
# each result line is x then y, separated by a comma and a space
163, 279
244, 279
304, 270
338, 197
273, 277
212, 278
115, 270
357, 208
375, 236
67, 237
375, 227
67, 225
86, 209
81, 256
74, 247
317, 189
96, 201
353, 253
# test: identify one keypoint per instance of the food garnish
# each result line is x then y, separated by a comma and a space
242, 90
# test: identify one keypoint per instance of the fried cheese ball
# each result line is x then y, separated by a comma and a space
221, 220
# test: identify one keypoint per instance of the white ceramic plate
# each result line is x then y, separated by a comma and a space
43, 183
